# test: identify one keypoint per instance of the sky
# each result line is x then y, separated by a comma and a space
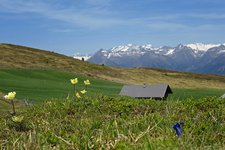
85, 26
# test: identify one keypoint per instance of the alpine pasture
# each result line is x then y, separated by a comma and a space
100, 119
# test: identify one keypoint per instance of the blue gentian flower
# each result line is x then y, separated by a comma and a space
178, 129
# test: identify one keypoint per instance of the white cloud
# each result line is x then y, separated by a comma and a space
69, 15
97, 15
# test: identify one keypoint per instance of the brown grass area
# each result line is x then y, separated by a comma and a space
14, 56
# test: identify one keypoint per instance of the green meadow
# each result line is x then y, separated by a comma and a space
102, 119
195, 93
39, 85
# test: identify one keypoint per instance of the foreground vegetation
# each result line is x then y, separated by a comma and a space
117, 123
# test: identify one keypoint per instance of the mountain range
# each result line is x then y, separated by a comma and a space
198, 57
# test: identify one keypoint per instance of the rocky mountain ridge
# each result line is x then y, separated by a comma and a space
198, 57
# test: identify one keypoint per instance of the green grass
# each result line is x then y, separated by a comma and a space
117, 123
195, 93
39, 85
103, 120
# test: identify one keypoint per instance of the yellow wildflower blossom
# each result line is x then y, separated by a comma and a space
87, 82
74, 81
10, 96
83, 91
17, 119
78, 95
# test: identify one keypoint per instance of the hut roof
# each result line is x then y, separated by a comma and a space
146, 91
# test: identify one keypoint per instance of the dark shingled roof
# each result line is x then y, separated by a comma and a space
146, 91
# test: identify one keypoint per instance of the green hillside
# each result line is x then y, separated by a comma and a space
43, 84
14, 56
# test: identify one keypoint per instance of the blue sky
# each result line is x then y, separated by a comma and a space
85, 26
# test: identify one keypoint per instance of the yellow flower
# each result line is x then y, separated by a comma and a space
50, 103
78, 95
17, 119
87, 82
10, 96
74, 81
83, 91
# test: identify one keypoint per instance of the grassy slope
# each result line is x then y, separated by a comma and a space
117, 123
39, 84
42, 84
182, 93
13, 56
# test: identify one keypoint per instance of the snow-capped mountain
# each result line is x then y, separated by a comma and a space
201, 46
198, 57
80, 56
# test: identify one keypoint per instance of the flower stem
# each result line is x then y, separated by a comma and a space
74, 89
13, 106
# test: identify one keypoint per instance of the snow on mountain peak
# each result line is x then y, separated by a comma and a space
170, 51
121, 48
196, 49
201, 46
147, 46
